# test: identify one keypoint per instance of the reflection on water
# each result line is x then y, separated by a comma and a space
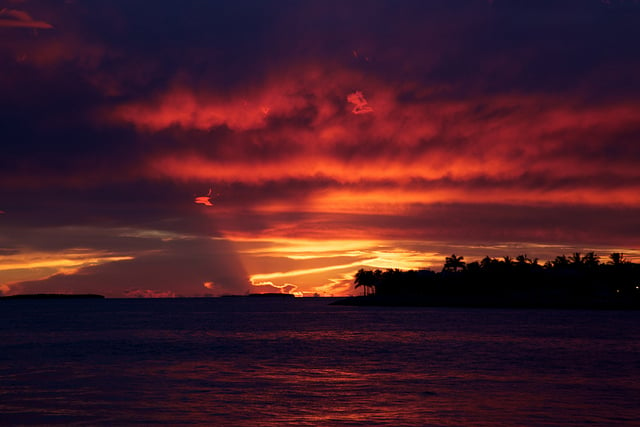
302, 362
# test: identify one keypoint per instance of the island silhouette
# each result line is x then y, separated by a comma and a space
575, 281
53, 296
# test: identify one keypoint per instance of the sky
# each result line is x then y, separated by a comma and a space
193, 148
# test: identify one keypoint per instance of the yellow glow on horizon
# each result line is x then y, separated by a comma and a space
29, 266
374, 253
318, 266
268, 276
61, 261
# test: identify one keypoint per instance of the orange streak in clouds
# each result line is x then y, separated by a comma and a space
204, 200
456, 185
382, 201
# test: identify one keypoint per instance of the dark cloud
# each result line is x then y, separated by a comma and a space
14, 18
469, 223
174, 268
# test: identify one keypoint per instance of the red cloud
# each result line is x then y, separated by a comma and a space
12, 18
431, 148
183, 108
360, 103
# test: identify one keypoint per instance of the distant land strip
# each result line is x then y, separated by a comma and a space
263, 295
53, 296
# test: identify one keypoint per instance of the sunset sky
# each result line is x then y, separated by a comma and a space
190, 148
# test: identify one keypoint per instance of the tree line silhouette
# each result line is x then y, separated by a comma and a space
566, 278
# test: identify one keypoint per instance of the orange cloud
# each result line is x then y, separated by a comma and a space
204, 200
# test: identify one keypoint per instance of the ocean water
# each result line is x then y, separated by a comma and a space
302, 362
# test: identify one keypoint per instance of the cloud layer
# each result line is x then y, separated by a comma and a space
474, 125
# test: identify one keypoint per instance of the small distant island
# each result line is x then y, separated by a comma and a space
271, 295
576, 281
263, 295
53, 296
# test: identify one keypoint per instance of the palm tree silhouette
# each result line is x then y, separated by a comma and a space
364, 279
487, 262
617, 258
576, 259
369, 280
560, 261
591, 259
453, 263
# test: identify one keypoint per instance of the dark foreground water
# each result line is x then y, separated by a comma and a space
259, 362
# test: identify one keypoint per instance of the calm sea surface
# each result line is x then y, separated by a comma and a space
302, 362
